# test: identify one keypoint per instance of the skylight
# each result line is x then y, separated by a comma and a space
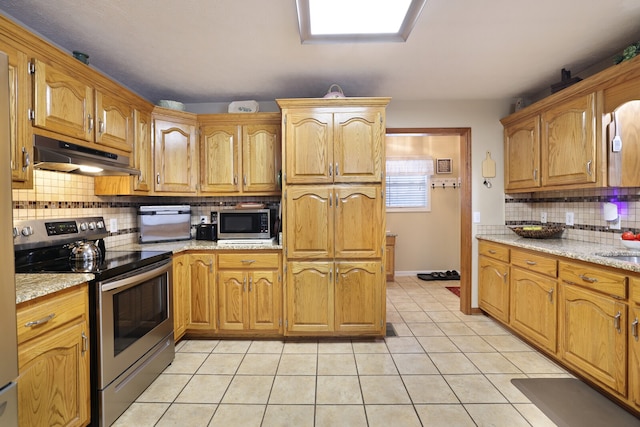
336, 21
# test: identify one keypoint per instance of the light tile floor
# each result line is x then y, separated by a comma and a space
443, 369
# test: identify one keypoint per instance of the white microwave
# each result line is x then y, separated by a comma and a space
243, 223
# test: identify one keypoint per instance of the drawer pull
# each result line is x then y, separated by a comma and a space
634, 329
492, 252
531, 262
588, 279
616, 321
39, 321
248, 261
550, 293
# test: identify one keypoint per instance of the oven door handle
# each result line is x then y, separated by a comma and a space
135, 279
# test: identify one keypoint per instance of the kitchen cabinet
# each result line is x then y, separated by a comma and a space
358, 297
634, 341
309, 297
240, 154
70, 106
493, 280
326, 145
522, 154
202, 292
125, 185
53, 359
174, 151
181, 297
533, 302
249, 292
390, 258
593, 336
19, 133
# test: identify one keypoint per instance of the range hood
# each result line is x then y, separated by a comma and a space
61, 156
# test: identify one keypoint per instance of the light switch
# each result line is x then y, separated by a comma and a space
476, 217
113, 225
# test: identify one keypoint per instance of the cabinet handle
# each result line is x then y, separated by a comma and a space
634, 329
250, 284
589, 168
550, 293
330, 170
531, 262
588, 279
90, 122
100, 127
39, 321
244, 284
210, 266
331, 274
616, 321
535, 174
337, 170
248, 261
26, 159
492, 252
235, 179
337, 200
244, 180
85, 344
157, 178
504, 277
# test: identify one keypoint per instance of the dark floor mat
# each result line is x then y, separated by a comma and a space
391, 332
569, 402
450, 275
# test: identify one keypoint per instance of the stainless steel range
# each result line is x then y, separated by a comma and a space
131, 321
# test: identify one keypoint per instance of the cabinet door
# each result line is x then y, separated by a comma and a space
634, 355
53, 386
593, 336
309, 222
202, 292
358, 146
569, 143
359, 227
533, 307
181, 284
264, 300
232, 300
624, 161
219, 164
310, 297
114, 122
390, 258
493, 288
522, 154
62, 104
358, 294
19, 135
308, 147
142, 159
260, 158
175, 157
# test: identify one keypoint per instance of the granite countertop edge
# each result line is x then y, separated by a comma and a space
573, 249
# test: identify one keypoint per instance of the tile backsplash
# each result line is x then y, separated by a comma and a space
586, 205
64, 195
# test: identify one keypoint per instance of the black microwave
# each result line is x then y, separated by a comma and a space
244, 224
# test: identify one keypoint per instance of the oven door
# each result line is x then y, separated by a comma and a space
134, 314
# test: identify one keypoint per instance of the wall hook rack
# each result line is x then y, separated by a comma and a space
445, 183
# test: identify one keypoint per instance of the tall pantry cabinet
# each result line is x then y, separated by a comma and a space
333, 215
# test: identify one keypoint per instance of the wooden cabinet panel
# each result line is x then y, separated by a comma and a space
358, 146
308, 147
634, 355
569, 142
522, 154
142, 155
359, 229
593, 336
219, 167
53, 360
493, 287
390, 258
539, 263
622, 124
594, 278
358, 296
181, 299
493, 250
114, 122
310, 297
62, 103
246, 260
202, 292
264, 300
261, 158
533, 309
309, 222
232, 304
175, 156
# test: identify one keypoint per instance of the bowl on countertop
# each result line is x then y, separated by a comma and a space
539, 231
631, 244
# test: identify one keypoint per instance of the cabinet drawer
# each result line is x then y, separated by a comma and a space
248, 260
539, 263
591, 277
43, 316
494, 250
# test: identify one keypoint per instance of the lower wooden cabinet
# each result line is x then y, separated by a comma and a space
493, 287
390, 258
202, 292
358, 296
634, 341
53, 360
181, 301
310, 297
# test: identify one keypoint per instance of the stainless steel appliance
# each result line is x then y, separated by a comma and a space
207, 232
8, 334
164, 223
131, 321
244, 224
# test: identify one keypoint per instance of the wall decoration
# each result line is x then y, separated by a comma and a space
443, 166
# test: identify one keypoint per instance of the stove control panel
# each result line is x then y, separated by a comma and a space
40, 233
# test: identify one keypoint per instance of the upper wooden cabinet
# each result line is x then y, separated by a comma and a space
328, 141
174, 151
240, 154
522, 154
69, 106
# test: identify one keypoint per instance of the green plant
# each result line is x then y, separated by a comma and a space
629, 52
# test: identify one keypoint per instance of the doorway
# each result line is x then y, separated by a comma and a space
463, 136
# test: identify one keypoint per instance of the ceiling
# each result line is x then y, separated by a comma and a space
197, 51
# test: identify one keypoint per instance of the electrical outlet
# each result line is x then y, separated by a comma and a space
569, 218
614, 225
113, 225
543, 217
203, 219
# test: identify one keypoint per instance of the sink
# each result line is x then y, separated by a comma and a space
622, 257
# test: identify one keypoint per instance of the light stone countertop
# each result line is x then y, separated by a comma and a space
573, 249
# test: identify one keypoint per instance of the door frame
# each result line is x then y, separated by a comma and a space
465, 203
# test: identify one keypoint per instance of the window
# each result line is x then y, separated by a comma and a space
408, 182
